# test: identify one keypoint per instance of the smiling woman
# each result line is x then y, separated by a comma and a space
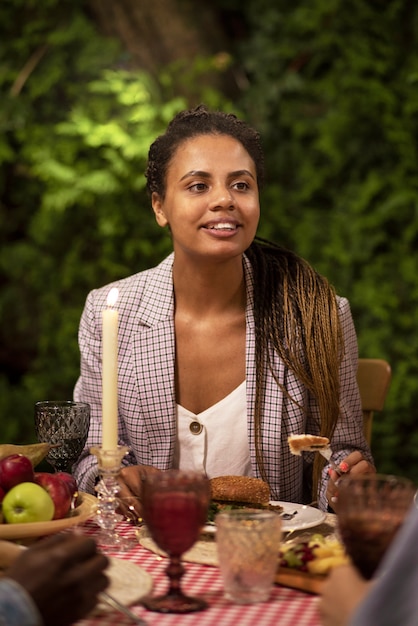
231, 343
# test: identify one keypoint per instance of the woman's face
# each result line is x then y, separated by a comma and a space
211, 203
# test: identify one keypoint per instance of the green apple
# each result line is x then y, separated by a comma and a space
27, 502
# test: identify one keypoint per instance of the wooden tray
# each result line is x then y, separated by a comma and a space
311, 583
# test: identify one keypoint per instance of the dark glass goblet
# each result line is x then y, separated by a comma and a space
175, 507
64, 424
371, 509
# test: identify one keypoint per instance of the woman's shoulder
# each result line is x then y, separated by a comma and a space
131, 288
160, 273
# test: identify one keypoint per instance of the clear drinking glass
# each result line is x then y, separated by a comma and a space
371, 509
248, 543
64, 424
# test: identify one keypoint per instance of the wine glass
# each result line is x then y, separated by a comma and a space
175, 507
371, 509
65, 425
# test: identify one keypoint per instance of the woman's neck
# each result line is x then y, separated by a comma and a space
207, 288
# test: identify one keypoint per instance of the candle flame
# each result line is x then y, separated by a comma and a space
112, 296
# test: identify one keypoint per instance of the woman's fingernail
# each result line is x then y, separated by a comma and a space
329, 471
344, 467
334, 499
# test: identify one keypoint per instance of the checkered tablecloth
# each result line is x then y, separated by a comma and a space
286, 607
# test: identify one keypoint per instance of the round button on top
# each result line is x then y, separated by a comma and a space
195, 428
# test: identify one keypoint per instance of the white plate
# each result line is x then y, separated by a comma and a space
129, 583
306, 517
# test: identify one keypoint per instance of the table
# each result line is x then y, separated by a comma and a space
286, 607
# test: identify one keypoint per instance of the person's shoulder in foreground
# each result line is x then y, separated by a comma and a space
390, 599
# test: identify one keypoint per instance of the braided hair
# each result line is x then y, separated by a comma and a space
296, 316
199, 121
295, 308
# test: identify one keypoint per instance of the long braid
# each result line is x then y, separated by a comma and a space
296, 315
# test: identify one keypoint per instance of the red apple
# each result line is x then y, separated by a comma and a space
2, 494
58, 490
70, 480
15, 469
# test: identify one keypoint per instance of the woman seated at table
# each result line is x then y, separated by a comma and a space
231, 344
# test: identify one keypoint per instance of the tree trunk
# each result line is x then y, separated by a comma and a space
159, 32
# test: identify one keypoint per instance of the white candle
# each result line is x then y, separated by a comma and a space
110, 373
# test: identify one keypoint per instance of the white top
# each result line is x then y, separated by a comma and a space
215, 441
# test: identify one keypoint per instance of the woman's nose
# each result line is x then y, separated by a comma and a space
222, 198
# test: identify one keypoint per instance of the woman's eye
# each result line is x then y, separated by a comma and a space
198, 187
241, 186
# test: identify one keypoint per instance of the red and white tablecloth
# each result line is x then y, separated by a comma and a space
286, 607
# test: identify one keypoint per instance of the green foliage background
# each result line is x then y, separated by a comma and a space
335, 93
332, 86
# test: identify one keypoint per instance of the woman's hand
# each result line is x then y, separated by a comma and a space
354, 464
64, 575
130, 483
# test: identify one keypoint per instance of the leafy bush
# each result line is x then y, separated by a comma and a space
76, 132
333, 87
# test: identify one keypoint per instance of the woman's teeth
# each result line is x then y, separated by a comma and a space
223, 227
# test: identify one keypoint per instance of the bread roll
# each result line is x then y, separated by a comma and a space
243, 489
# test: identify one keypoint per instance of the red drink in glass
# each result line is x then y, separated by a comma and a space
175, 506
174, 520
367, 539
371, 508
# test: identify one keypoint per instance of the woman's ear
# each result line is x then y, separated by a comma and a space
157, 207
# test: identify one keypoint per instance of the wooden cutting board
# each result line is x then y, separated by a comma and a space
310, 583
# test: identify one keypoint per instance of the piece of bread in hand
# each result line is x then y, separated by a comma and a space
307, 443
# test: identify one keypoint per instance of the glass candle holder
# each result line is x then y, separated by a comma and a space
109, 464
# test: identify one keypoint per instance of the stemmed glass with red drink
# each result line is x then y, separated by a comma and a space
175, 507
371, 509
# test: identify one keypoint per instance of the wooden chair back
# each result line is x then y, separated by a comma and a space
373, 378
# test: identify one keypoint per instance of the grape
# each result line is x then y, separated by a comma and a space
297, 555
316, 554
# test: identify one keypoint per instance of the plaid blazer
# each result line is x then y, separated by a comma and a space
146, 387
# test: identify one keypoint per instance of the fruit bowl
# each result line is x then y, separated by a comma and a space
85, 508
